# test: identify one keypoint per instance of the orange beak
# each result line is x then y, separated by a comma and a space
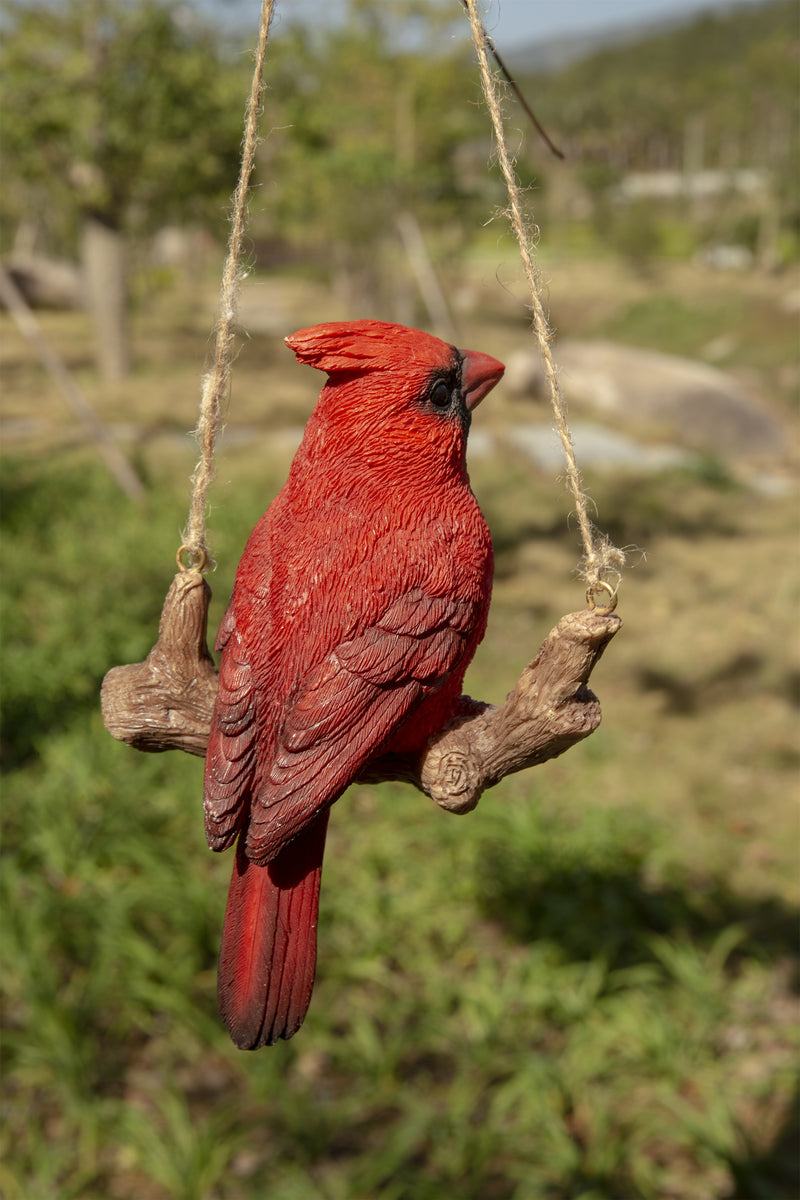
479, 374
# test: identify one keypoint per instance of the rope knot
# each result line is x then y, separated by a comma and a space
600, 556
217, 381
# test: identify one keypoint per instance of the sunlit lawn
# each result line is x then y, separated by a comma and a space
585, 989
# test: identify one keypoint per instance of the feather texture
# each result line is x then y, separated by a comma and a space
269, 943
359, 601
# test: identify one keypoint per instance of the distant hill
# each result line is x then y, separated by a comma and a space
717, 91
553, 54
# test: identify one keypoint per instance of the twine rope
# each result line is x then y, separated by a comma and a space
601, 559
216, 382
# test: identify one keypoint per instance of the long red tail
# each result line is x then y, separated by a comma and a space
269, 941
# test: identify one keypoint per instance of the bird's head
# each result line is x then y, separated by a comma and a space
392, 389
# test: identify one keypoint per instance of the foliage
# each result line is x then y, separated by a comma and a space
629, 105
586, 989
716, 92
131, 111
365, 127
370, 117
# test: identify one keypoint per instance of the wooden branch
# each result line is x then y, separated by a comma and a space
549, 710
166, 702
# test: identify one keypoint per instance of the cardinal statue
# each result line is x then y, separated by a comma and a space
360, 598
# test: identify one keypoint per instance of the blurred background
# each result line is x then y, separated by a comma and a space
587, 988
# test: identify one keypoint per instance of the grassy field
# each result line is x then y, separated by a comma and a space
584, 990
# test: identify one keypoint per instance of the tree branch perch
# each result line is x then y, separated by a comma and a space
165, 703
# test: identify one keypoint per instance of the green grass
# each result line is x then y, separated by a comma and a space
546, 999
584, 990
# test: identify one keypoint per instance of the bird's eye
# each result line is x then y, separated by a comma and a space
439, 394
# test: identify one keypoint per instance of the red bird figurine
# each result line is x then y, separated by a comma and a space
361, 596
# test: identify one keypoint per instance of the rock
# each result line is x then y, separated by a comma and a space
47, 282
524, 375
595, 446
652, 393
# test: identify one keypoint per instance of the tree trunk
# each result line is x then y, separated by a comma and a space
103, 253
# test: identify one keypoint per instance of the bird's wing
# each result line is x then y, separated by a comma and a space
232, 745
349, 705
